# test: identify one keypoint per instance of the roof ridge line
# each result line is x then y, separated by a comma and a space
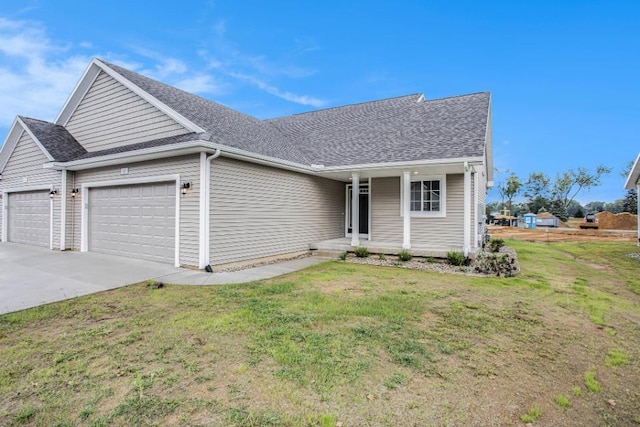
344, 106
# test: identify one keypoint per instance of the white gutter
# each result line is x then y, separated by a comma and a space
205, 207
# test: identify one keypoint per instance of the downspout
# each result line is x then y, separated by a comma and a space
205, 205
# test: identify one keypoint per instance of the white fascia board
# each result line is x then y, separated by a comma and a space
393, 165
150, 99
488, 141
634, 175
36, 140
10, 142
79, 91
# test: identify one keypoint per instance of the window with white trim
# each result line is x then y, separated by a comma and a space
426, 196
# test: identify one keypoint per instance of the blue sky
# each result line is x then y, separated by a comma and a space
564, 75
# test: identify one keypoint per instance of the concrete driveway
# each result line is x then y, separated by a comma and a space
31, 276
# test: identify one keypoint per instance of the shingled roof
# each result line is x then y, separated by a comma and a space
401, 129
391, 130
55, 139
225, 125
405, 128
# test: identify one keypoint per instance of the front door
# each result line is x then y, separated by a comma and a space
363, 210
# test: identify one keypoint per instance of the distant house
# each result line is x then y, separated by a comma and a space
138, 168
633, 181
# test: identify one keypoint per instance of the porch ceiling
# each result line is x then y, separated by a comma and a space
387, 171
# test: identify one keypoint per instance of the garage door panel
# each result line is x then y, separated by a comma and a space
28, 218
136, 221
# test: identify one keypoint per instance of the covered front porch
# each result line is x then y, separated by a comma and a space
427, 209
343, 244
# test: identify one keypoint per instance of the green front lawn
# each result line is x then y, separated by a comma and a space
341, 343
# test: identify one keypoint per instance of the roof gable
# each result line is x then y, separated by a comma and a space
225, 125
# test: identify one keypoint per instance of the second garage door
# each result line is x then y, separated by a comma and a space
28, 220
136, 221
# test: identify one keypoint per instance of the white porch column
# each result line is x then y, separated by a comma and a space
476, 214
63, 212
467, 209
406, 210
355, 209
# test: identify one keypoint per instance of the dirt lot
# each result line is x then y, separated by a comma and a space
562, 234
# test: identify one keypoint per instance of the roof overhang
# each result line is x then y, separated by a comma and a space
634, 175
416, 167
342, 173
173, 150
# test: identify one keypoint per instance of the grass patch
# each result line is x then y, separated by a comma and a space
563, 401
336, 342
532, 415
617, 357
590, 381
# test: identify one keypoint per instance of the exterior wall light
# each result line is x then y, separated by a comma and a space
74, 192
184, 187
52, 193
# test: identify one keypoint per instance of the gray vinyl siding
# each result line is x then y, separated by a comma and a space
110, 115
386, 222
447, 232
258, 211
24, 169
188, 167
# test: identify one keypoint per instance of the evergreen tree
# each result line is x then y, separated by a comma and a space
630, 202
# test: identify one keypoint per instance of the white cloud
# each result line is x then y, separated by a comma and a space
201, 83
288, 96
38, 74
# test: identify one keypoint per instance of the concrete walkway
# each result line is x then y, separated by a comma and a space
32, 276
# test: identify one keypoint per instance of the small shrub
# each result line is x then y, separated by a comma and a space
577, 391
563, 401
533, 415
381, 257
404, 255
495, 245
343, 256
361, 252
495, 263
456, 258
593, 385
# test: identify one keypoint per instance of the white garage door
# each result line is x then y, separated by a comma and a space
136, 221
28, 218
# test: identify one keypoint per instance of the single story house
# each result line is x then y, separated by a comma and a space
633, 181
138, 168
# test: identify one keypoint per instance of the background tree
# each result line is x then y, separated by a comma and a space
512, 188
594, 207
537, 190
570, 183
